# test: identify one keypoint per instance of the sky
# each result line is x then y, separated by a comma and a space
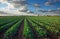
44, 6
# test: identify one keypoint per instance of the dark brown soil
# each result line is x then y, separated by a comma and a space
20, 31
1, 35
19, 34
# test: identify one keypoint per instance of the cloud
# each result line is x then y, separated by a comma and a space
58, 9
19, 4
56, 0
52, 10
9, 6
48, 3
47, 10
43, 10
37, 5
2, 0
55, 11
15, 5
53, 0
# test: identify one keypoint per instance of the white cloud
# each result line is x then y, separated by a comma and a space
58, 8
12, 4
51, 2
8, 7
49, 10
37, 5
48, 3
19, 4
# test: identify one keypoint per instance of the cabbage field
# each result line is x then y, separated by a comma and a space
29, 27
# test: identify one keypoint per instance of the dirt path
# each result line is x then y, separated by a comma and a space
19, 34
1, 35
20, 31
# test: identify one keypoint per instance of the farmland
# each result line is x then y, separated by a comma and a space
30, 27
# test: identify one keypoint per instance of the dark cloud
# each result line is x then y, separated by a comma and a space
52, 10
23, 10
43, 10
56, 0
49, 11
